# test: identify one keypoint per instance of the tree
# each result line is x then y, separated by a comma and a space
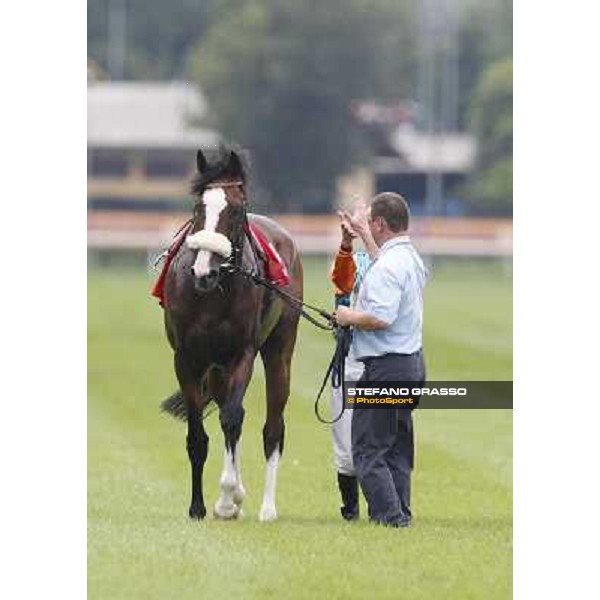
281, 77
485, 36
159, 34
491, 119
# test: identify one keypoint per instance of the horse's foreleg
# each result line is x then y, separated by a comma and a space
277, 362
232, 387
273, 434
197, 439
268, 511
197, 448
239, 493
233, 493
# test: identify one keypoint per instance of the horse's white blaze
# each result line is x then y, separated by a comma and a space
226, 508
215, 201
268, 512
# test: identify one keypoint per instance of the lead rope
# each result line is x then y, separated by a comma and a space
337, 371
292, 301
297, 304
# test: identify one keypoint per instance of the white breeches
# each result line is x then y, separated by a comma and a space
342, 429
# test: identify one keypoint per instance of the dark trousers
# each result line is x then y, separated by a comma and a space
383, 443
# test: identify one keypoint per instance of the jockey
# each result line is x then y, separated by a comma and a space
348, 271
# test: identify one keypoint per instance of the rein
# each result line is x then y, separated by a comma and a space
295, 303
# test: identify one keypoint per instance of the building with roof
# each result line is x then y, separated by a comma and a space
418, 161
142, 142
429, 168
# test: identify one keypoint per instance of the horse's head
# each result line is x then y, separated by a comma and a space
219, 216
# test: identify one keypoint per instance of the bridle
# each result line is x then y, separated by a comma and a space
237, 183
234, 262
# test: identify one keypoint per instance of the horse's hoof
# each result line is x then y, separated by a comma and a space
197, 512
267, 513
226, 512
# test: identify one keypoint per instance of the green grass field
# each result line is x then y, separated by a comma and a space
141, 543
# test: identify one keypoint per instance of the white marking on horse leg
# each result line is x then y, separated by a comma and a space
226, 508
240, 491
268, 512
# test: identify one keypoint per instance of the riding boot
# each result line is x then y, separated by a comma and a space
348, 485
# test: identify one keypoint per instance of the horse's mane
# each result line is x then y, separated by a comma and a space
226, 161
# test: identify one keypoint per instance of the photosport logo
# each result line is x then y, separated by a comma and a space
435, 394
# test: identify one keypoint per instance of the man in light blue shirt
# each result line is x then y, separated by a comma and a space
388, 338
392, 293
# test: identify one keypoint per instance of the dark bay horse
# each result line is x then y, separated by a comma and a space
217, 321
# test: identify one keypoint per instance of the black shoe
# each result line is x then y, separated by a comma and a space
396, 523
400, 523
349, 514
348, 485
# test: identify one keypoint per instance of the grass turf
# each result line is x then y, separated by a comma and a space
141, 543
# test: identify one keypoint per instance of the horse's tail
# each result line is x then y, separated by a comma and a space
175, 406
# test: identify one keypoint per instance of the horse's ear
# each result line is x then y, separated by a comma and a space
236, 163
201, 163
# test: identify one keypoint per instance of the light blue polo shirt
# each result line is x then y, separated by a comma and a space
392, 291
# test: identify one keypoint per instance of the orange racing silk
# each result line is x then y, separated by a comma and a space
343, 273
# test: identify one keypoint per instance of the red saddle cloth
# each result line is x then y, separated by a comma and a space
275, 269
